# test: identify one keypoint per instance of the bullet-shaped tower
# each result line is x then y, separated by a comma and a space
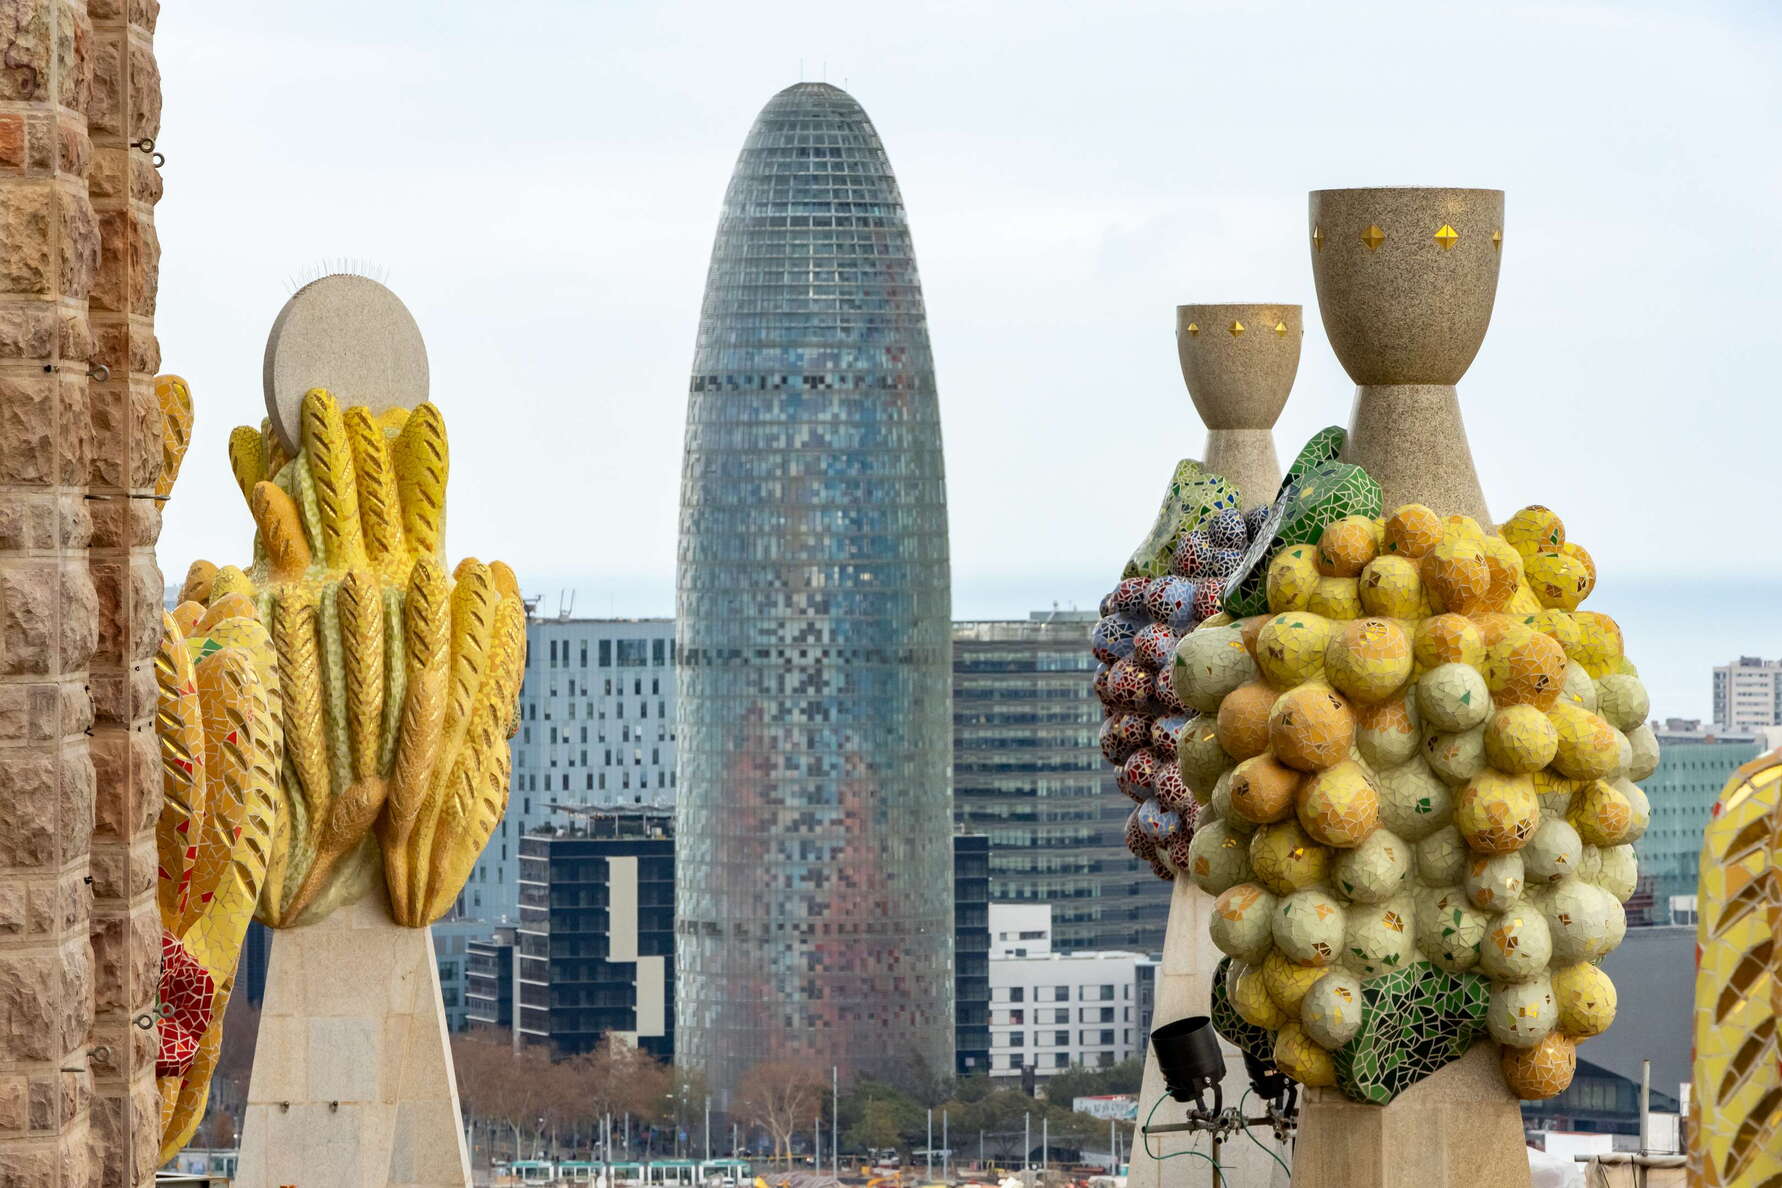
814, 895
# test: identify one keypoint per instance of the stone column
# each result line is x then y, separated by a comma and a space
48, 612
1406, 280
352, 1084
125, 462
1185, 987
1239, 362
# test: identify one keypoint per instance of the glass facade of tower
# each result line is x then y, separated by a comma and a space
814, 900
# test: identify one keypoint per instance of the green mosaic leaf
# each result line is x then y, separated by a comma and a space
1414, 1021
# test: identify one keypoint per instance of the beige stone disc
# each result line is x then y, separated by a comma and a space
347, 334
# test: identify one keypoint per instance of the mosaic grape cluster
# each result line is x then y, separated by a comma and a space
1414, 786
1176, 579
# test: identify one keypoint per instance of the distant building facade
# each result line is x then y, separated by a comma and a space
971, 954
256, 955
596, 936
1655, 971
451, 940
1062, 1009
597, 729
1748, 693
1693, 767
489, 980
1028, 774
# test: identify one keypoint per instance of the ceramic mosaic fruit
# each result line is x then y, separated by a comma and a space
1423, 766
1162, 683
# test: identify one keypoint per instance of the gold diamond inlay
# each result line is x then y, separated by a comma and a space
1373, 237
1281, 329
1447, 237
1497, 240
1317, 239
1193, 328
1237, 328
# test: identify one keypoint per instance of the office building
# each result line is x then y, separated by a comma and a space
1693, 767
489, 980
596, 937
597, 730
815, 907
1055, 1010
971, 954
1028, 774
1748, 694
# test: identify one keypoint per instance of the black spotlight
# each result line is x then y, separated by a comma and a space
1265, 1079
1188, 1057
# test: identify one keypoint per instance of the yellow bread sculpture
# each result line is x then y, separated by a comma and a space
1735, 1111
398, 681
217, 721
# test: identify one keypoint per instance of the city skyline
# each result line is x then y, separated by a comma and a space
813, 817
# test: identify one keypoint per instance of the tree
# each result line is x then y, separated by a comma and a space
1082, 1081
877, 1128
905, 1112
616, 1077
780, 1096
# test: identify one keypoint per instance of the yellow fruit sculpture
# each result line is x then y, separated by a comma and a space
1735, 1109
1429, 792
398, 680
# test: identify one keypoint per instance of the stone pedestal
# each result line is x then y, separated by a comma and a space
352, 1084
1406, 280
1458, 1128
1184, 987
1239, 361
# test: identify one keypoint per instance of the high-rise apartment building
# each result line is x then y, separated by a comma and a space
815, 903
1027, 773
597, 730
595, 951
1748, 694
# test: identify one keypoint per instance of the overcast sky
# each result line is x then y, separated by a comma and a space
540, 182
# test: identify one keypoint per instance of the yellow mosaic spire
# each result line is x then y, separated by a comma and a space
1735, 1111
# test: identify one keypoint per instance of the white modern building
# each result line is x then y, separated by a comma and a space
1054, 1010
597, 730
1748, 694
1020, 929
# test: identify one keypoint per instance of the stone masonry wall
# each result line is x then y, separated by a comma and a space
49, 614
124, 463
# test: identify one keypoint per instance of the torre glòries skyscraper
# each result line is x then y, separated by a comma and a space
813, 878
